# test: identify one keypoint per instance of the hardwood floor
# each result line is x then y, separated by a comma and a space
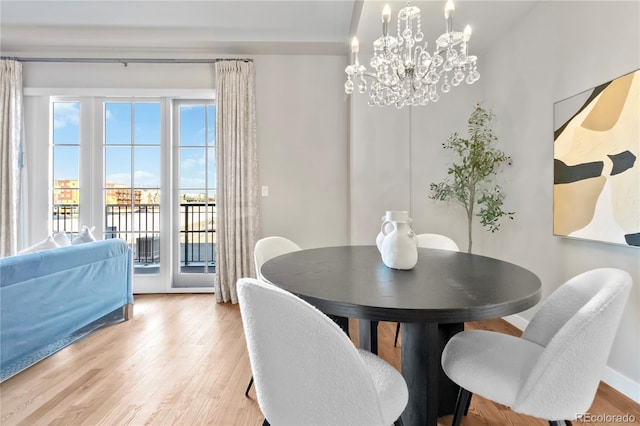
182, 360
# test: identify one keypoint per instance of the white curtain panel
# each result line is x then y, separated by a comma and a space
237, 176
11, 137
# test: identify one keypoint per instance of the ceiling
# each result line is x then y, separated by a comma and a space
240, 27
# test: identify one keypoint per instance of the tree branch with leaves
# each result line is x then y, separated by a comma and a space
470, 180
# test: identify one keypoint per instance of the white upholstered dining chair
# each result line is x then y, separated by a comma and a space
269, 247
307, 371
434, 241
266, 249
554, 369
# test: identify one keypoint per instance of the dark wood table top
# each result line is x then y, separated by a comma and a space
444, 287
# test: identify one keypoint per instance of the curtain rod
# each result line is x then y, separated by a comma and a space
126, 61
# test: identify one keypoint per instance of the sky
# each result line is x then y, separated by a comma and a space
196, 143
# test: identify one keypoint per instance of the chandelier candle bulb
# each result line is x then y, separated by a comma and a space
466, 34
386, 17
404, 72
355, 48
449, 10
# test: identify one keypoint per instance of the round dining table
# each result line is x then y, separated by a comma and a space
432, 301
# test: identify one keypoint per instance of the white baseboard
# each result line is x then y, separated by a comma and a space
619, 382
517, 320
622, 384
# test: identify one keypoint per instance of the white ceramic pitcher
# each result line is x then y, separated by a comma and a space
397, 242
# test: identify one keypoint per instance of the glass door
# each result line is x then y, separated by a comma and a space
132, 186
195, 195
141, 169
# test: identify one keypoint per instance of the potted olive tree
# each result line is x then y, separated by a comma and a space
470, 179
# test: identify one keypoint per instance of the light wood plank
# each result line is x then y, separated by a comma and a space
182, 359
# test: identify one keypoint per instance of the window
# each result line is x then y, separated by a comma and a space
65, 183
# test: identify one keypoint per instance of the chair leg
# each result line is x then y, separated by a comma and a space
246, 393
395, 341
462, 406
466, 408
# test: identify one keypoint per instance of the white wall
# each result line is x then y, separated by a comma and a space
431, 126
115, 75
558, 50
379, 170
302, 147
301, 133
395, 154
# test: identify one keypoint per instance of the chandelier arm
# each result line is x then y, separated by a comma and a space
375, 77
427, 71
383, 84
367, 74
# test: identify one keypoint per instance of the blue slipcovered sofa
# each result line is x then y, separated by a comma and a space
50, 298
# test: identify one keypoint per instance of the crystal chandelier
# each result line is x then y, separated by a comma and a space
404, 71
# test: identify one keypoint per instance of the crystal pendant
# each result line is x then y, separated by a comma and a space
348, 87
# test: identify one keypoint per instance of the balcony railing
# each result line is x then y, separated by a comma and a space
65, 218
139, 225
197, 233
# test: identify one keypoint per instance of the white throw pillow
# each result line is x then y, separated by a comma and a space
46, 244
85, 236
62, 239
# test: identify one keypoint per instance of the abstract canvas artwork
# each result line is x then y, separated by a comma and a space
596, 188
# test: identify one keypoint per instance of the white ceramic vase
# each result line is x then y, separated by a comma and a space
397, 242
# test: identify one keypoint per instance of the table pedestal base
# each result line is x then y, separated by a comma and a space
431, 393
